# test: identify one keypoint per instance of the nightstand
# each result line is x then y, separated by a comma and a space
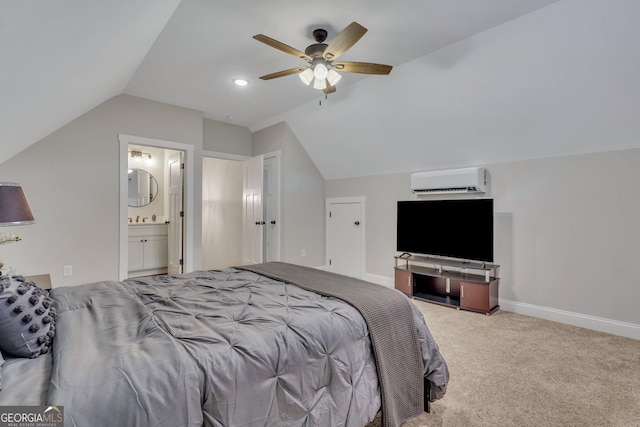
42, 280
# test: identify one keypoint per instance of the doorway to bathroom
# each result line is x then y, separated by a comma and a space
156, 206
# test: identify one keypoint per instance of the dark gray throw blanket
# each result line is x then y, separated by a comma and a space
392, 330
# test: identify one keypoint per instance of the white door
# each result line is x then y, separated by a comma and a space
176, 214
252, 215
271, 201
345, 236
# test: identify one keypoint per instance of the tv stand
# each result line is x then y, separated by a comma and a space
466, 285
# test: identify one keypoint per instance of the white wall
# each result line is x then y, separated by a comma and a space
302, 196
71, 180
221, 213
566, 235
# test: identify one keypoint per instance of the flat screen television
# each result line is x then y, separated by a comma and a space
449, 228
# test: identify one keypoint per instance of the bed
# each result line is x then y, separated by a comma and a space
267, 345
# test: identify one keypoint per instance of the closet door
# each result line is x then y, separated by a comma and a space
271, 206
345, 230
252, 214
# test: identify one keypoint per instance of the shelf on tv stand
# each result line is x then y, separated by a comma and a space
488, 270
438, 299
468, 285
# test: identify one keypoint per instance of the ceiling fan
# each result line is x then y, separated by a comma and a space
322, 69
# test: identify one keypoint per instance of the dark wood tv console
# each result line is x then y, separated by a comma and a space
464, 285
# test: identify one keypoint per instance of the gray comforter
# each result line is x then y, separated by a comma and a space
217, 348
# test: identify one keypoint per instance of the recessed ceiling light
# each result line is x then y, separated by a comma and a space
240, 82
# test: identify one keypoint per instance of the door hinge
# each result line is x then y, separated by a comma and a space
181, 262
329, 214
181, 165
329, 262
181, 214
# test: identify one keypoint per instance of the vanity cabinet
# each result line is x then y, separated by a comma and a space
148, 249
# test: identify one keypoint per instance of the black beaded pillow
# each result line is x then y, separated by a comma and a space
27, 319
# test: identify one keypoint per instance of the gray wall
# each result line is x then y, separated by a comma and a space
226, 138
71, 179
566, 233
302, 196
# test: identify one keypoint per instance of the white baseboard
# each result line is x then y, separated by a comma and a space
601, 324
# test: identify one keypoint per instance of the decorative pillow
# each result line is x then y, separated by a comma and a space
27, 319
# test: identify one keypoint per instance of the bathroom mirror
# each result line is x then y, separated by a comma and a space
143, 188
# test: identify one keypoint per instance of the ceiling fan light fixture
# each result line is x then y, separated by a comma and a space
320, 56
319, 84
333, 76
320, 71
306, 76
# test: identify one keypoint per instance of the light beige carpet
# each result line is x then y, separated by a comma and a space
513, 370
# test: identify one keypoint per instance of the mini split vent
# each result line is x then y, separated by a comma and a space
468, 180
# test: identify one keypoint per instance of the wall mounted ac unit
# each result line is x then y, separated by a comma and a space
468, 180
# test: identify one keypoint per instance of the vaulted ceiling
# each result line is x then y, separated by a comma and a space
474, 81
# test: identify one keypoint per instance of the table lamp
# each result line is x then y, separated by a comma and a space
14, 210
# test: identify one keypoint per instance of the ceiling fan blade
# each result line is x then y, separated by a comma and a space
343, 41
329, 89
282, 47
284, 73
362, 67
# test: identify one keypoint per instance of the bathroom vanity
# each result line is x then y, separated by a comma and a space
148, 248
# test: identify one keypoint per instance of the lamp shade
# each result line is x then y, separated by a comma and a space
306, 76
14, 209
320, 71
333, 77
319, 84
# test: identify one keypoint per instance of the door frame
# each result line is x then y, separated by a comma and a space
362, 201
242, 158
188, 237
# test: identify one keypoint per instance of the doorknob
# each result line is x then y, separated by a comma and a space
357, 223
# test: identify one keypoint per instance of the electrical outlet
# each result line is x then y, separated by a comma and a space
304, 252
68, 270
